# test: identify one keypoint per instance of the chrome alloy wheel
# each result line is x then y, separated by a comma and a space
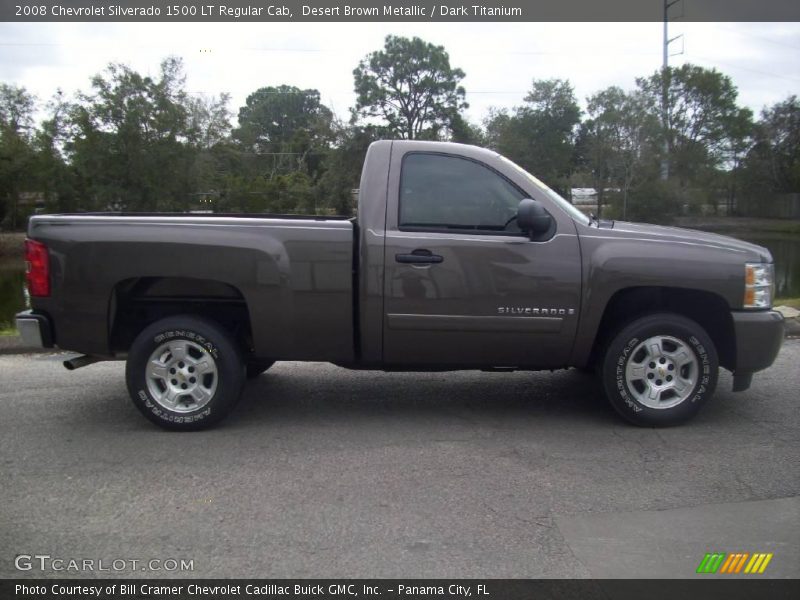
662, 371
181, 376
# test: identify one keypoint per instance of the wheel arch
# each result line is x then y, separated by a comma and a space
707, 309
135, 303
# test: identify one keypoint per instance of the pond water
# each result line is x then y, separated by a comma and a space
785, 250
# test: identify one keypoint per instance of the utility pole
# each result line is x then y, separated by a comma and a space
665, 88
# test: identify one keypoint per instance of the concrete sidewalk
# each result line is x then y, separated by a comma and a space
13, 344
664, 544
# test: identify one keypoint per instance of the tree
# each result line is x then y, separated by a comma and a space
280, 148
411, 86
287, 126
702, 117
740, 139
773, 163
16, 109
130, 143
617, 141
209, 120
342, 169
208, 131
55, 178
464, 132
16, 151
540, 134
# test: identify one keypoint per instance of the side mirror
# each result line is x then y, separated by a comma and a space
533, 218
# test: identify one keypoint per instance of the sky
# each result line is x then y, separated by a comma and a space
500, 59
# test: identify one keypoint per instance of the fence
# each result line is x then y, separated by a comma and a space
777, 206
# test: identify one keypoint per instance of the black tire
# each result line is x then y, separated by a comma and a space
587, 370
257, 367
217, 382
628, 365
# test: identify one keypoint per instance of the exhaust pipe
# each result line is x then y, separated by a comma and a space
81, 361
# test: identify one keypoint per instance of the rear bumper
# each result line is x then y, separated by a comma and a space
759, 336
34, 329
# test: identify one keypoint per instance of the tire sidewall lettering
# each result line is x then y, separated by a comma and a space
705, 365
169, 417
622, 386
189, 335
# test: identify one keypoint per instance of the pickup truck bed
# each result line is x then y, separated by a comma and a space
292, 276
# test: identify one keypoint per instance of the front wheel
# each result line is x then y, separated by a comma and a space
660, 370
184, 373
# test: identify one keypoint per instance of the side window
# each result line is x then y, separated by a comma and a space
448, 192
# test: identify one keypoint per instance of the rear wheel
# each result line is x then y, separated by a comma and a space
184, 373
660, 370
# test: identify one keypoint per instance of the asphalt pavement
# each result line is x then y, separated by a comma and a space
323, 472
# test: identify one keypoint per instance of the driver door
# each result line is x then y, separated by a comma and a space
463, 285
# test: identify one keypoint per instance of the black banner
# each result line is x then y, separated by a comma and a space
386, 589
398, 10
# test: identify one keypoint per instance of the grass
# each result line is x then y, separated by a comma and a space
793, 302
11, 245
7, 331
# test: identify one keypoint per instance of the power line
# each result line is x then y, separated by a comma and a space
759, 37
741, 68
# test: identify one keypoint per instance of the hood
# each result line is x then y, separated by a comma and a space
749, 252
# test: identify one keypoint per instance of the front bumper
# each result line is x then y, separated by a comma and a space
34, 329
759, 336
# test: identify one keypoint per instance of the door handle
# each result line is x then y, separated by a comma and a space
420, 256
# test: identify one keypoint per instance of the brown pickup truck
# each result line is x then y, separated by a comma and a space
457, 259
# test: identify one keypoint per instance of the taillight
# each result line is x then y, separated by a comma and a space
37, 263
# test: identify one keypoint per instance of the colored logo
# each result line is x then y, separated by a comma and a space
739, 562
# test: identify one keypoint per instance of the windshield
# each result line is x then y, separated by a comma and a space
555, 197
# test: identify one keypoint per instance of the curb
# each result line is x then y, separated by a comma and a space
13, 344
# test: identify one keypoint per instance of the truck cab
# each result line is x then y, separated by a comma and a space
459, 282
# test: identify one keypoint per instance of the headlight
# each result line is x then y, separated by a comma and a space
759, 281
